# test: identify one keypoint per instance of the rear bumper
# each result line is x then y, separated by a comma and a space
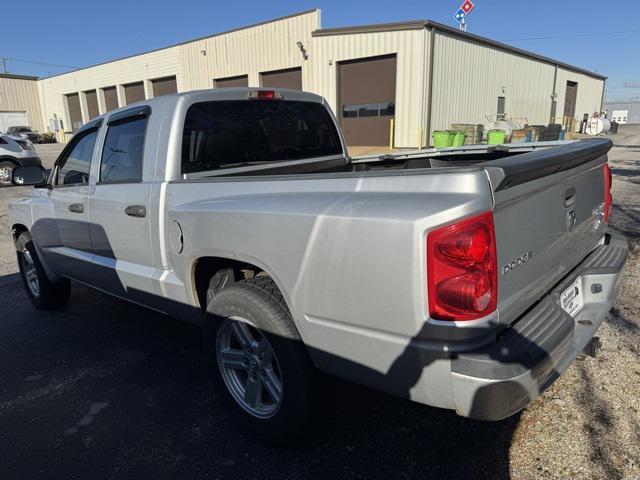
498, 380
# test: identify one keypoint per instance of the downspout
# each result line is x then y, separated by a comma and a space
554, 96
604, 84
432, 41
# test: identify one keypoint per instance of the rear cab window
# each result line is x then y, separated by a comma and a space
241, 133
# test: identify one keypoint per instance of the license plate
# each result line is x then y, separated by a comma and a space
572, 299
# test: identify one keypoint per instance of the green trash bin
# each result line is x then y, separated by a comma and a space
458, 139
495, 137
442, 139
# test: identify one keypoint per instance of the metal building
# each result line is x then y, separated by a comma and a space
388, 84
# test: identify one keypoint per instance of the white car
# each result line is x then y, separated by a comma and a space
15, 152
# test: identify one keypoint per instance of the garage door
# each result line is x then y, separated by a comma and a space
75, 114
13, 119
239, 81
367, 93
289, 78
164, 86
110, 98
92, 103
134, 92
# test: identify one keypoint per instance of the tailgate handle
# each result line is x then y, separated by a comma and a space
570, 197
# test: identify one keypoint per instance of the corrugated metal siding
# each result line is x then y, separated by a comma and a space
17, 95
161, 63
469, 78
271, 46
589, 93
409, 47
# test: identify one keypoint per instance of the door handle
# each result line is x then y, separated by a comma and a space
76, 208
136, 211
570, 197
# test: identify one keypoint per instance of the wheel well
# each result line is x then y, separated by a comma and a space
17, 230
205, 268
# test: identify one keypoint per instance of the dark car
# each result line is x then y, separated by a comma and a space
25, 132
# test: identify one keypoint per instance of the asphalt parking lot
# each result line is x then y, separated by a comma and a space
106, 389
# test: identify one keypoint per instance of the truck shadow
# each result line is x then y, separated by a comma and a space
148, 368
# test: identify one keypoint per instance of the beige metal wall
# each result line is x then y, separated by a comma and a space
145, 67
261, 48
589, 95
469, 78
408, 45
21, 95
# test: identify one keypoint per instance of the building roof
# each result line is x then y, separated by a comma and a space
430, 24
17, 77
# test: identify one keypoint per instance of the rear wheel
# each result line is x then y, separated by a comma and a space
260, 366
6, 171
43, 293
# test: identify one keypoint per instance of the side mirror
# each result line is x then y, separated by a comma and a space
29, 175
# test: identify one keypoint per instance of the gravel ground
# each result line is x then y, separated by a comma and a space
105, 389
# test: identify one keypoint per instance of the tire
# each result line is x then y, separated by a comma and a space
257, 305
6, 170
44, 294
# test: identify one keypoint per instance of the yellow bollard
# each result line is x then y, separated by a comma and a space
419, 137
391, 132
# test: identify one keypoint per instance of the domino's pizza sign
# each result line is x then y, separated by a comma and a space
463, 11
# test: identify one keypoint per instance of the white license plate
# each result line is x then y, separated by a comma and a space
572, 299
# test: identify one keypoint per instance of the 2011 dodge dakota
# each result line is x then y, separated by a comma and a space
466, 279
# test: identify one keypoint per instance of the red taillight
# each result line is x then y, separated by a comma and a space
461, 269
608, 198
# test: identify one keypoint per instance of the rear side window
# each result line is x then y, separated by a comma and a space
238, 133
74, 167
122, 151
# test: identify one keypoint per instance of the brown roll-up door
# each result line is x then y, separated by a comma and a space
164, 86
75, 114
110, 98
92, 103
239, 81
289, 78
133, 92
367, 93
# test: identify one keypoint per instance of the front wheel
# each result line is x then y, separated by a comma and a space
260, 366
43, 293
6, 172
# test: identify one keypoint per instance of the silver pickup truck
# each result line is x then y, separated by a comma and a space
466, 279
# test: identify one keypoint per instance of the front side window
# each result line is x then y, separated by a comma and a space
239, 133
74, 167
122, 151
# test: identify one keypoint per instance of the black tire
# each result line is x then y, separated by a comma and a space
10, 165
50, 295
259, 301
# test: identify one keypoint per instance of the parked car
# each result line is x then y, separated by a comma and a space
466, 279
25, 132
15, 151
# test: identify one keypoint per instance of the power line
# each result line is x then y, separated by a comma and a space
574, 35
22, 60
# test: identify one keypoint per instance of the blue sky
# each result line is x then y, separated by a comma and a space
78, 33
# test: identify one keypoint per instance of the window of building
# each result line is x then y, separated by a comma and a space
382, 109
122, 151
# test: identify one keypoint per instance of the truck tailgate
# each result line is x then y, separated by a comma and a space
549, 215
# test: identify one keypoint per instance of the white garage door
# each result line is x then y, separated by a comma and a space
13, 119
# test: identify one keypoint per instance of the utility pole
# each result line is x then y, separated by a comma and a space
4, 64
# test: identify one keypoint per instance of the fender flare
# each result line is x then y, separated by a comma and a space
22, 240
